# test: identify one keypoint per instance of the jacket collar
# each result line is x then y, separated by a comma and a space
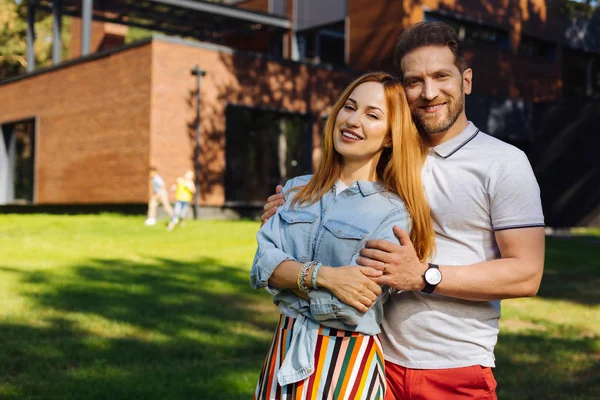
451, 146
366, 188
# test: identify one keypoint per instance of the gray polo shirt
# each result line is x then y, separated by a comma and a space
475, 185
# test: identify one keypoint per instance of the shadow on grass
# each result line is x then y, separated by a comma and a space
157, 329
572, 270
532, 366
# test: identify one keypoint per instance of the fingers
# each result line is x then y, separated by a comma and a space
367, 262
275, 199
383, 245
374, 290
371, 272
278, 189
273, 203
402, 236
267, 214
360, 306
382, 280
378, 255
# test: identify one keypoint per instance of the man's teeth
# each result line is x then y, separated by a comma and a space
432, 108
349, 135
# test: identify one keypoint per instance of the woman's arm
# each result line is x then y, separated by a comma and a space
351, 284
269, 255
341, 281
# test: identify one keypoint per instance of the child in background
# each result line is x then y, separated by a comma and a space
183, 196
159, 196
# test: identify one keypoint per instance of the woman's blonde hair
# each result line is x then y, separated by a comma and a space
399, 167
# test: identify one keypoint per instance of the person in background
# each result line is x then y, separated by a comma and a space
159, 196
184, 189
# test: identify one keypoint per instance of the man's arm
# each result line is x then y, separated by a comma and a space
517, 273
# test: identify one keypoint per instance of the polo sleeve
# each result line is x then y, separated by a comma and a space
514, 194
269, 254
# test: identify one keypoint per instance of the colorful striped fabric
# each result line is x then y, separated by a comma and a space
349, 366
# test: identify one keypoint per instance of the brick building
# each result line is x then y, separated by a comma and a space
85, 130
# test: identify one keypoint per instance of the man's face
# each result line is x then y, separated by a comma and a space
435, 88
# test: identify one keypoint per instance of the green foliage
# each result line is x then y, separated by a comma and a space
134, 33
580, 8
13, 43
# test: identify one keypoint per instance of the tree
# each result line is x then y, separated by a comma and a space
13, 42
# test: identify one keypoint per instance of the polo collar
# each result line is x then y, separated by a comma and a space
451, 146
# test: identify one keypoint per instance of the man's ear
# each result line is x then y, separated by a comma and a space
468, 80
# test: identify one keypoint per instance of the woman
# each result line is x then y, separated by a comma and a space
368, 181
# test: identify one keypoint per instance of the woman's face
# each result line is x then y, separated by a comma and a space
361, 125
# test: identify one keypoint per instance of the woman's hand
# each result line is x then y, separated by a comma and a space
351, 285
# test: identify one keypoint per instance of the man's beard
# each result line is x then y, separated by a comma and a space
427, 127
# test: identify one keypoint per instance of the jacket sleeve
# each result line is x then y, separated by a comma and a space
269, 254
326, 307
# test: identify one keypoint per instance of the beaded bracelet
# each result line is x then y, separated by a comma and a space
314, 276
302, 277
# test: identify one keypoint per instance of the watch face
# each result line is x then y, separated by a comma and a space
433, 276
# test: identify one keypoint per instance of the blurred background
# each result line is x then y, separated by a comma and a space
94, 92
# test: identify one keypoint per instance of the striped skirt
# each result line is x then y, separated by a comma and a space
348, 365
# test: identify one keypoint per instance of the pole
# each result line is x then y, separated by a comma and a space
31, 6
86, 26
57, 9
198, 73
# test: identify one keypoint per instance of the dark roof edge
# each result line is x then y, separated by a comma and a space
230, 50
171, 40
78, 60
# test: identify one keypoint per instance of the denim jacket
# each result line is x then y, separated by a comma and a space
331, 231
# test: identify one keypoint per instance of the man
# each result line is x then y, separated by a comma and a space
159, 195
440, 329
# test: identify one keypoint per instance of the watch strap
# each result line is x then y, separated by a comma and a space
429, 288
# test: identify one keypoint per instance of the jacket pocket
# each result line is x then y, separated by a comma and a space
297, 231
341, 241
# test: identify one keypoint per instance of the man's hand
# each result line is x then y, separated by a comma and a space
399, 263
273, 203
352, 285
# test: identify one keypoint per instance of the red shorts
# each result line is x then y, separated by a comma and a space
474, 382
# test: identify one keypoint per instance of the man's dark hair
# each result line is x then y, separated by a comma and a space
429, 34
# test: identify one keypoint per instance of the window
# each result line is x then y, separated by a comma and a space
17, 162
537, 49
263, 149
323, 45
581, 74
472, 34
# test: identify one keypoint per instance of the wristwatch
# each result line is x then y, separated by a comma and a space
432, 278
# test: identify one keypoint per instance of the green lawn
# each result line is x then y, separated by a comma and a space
102, 307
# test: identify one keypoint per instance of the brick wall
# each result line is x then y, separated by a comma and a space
104, 36
103, 121
93, 128
375, 26
231, 79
